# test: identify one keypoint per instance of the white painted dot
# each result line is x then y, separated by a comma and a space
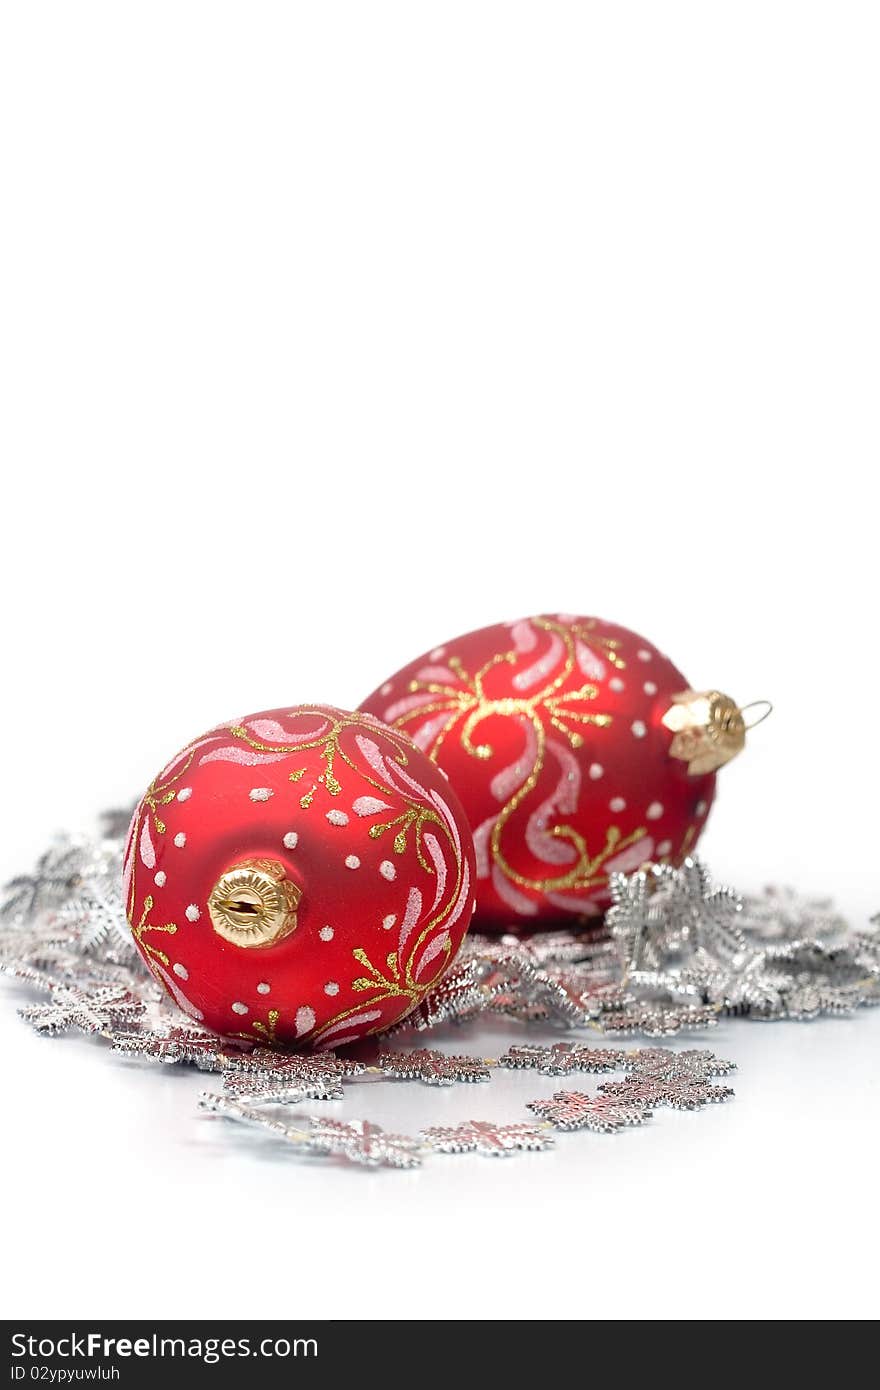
180, 971
239, 1008
369, 806
616, 684
387, 870
663, 848
192, 913
331, 987
386, 688
643, 655
326, 933
160, 879
260, 793
654, 811
180, 839
304, 1020
337, 818
649, 688
263, 987
352, 862
290, 840
701, 808
639, 728
184, 794
617, 803
388, 922
596, 771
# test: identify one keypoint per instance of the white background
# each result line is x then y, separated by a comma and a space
329, 332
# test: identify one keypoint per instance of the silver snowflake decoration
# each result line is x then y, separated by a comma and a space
680, 1093
358, 1141
56, 875
808, 999
432, 1067
461, 994
249, 1073
563, 1058
549, 948
267, 1061
658, 1021
253, 1118
96, 917
484, 1137
281, 1077
270, 1088
602, 1114
29, 974
97, 1012
691, 1064
573, 997
780, 914
183, 1045
661, 916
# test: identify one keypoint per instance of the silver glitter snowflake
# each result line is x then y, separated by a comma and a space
281, 1077
357, 1141
97, 1012
682, 938
55, 877
96, 916
577, 1110
29, 974
432, 1067
268, 1061
270, 1088
249, 1073
360, 1141
179, 1045
484, 1137
690, 1064
661, 916
563, 1058
569, 995
461, 994
656, 1021
252, 1118
680, 1093
549, 948
780, 914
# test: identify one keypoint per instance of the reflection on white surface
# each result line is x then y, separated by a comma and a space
103, 1140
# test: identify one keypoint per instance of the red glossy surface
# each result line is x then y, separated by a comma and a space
555, 801
362, 822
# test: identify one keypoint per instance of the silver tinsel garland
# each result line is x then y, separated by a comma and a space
674, 954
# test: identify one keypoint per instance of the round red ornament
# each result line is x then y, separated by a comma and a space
577, 749
300, 876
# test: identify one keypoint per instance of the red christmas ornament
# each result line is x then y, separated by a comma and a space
299, 876
577, 749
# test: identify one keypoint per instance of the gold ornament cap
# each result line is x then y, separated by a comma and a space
709, 728
254, 903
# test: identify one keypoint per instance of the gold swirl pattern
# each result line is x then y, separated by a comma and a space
467, 706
